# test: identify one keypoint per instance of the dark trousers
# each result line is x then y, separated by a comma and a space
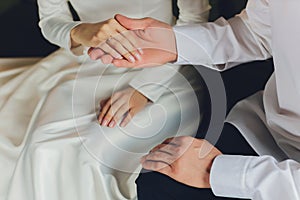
156, 186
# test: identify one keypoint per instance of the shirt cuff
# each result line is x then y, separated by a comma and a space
152, 91
228, 176
189, 50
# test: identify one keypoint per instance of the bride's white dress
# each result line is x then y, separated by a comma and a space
51, 145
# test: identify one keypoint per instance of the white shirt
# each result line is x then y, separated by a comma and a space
269, 120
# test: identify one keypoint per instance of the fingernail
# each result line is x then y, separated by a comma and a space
111, 124
123, 124
119, 56
140, 51
131, 59
104, 123
138, 56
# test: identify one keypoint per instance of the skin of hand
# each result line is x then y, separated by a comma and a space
125, 103
155, 38
185, 159
113, 39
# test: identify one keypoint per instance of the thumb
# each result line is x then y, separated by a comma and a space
133, 24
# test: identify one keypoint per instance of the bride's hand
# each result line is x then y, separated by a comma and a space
123, 104
110, 36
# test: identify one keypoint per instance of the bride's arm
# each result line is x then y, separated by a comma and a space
59, 28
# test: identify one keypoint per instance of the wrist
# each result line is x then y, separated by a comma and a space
140, 93
73, 34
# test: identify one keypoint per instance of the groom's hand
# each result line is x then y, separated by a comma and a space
155, 39
184, 159
109, 35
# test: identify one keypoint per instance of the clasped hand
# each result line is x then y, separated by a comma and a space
109, 38
127, 42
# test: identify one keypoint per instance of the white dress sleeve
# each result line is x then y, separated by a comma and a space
56, 22
224, 44
193, 11
153, 82
256, 178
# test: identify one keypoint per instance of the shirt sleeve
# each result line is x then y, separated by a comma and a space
56, 22
226, 43
256, 178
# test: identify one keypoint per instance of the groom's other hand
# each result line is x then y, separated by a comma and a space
185, 159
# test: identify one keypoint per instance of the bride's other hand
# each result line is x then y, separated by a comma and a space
108, 35
123, 104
